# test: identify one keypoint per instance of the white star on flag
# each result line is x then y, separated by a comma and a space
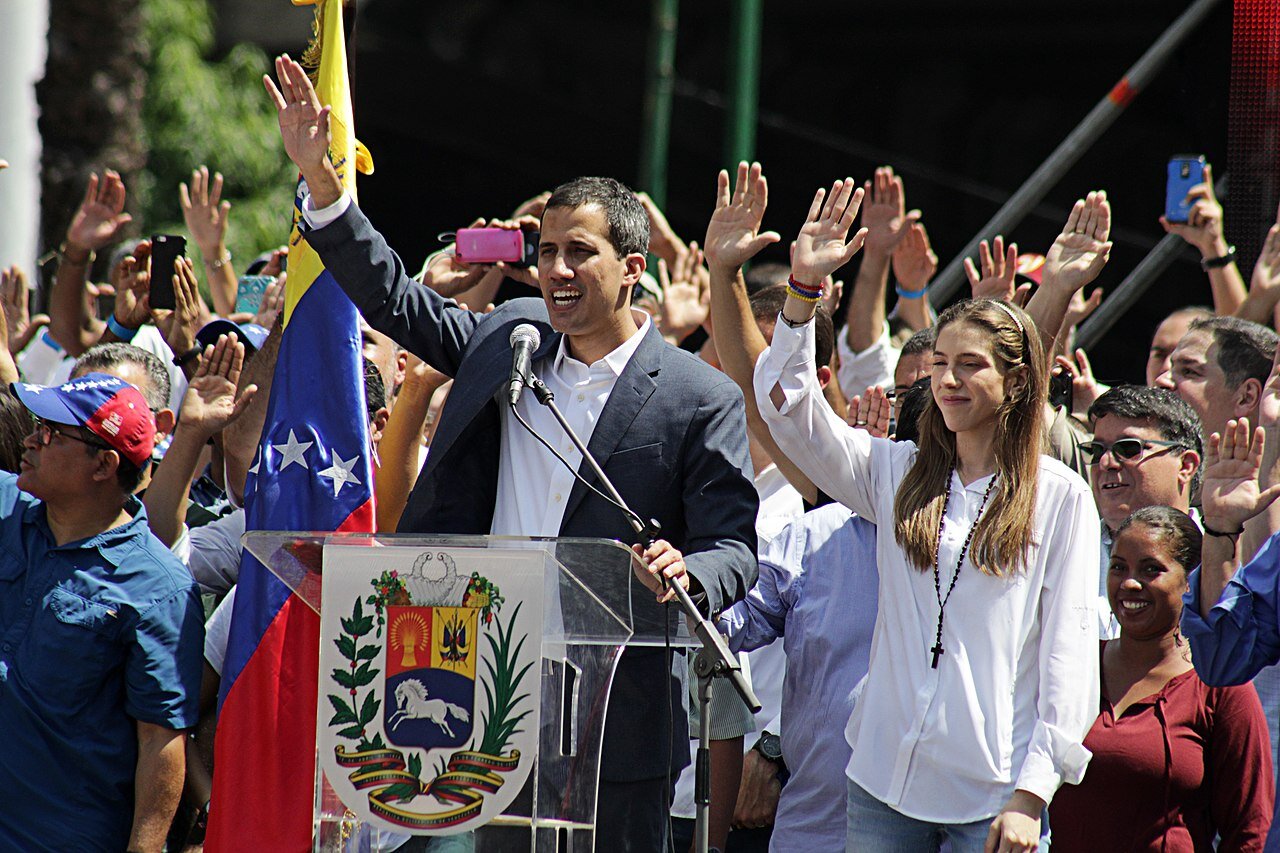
340, 472
257, 462
293, 450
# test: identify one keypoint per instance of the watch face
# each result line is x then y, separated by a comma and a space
771, 746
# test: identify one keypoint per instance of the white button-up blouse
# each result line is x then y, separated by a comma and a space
1017, 687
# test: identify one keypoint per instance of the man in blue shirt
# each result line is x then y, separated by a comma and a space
100, 631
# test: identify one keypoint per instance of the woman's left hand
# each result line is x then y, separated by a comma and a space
1017, 828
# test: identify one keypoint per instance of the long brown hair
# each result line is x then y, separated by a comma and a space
1002, 539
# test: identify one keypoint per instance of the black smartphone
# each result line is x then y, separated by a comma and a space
1060, 389
165, 250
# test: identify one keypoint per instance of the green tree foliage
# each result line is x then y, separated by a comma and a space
201, 111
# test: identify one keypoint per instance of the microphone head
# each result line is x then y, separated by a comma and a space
526, 333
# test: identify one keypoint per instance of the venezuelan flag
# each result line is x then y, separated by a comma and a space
312, 472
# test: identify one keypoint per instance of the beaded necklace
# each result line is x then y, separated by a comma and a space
964, 551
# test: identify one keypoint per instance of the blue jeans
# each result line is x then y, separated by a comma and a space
874, 827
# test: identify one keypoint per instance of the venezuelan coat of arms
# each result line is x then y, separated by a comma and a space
428, 707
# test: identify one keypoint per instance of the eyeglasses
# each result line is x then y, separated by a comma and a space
45, 431
1122, 448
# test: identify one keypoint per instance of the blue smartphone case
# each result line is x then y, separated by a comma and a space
1185, 171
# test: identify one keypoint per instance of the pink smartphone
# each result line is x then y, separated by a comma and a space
490, 245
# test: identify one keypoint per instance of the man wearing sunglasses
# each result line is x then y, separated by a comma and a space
1145, 452
101, 631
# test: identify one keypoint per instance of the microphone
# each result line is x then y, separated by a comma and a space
524, 341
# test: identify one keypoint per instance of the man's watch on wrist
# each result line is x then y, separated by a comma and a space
770, 746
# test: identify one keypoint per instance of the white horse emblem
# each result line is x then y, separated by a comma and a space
412, 704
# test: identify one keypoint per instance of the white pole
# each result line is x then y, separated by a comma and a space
23, 43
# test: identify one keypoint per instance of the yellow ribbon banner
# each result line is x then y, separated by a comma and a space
467, 777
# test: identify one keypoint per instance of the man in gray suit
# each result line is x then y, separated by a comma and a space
669, 431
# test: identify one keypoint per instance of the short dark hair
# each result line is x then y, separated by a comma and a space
1166, 412
628, 221
921, 342
913, 400
102, 357
1178, 531
767, 303
765, 274
1245, 349
375, 390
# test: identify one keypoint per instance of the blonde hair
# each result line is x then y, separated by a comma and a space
1003, 536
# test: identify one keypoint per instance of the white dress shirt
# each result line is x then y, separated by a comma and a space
533, 485
1017, 687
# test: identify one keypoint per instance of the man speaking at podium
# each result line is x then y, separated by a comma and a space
668, 429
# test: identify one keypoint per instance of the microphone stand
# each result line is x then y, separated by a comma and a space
714, 660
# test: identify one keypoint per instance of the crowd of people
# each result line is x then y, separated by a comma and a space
980, 617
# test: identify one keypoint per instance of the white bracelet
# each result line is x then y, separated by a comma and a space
219, 263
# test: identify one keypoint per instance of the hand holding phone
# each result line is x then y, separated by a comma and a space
1185, 172
165, 250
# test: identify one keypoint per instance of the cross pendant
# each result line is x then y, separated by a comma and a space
937, 650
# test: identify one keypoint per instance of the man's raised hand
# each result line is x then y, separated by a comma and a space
1229, 493
304, 121
101, 215
15, 295
821, 247
1080, 252
733, 235
884, 212
211, 402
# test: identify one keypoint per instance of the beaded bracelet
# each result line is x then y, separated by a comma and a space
799, 291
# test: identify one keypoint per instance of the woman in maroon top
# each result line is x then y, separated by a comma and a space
1175, 762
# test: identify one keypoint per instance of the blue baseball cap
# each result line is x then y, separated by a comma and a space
250, 334
106, 405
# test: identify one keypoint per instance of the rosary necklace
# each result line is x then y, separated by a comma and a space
937, 551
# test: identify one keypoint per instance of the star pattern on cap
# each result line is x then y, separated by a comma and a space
340, 471
292, 451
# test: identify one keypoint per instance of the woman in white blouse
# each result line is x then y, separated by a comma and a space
983, 677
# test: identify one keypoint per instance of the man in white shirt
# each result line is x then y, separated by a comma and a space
668, 430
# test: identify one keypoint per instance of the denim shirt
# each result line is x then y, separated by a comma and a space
95, 635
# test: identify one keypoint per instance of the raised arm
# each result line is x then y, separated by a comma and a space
373, 276
1204, 230
886, 222
733, 238
1230, 495
97, 224
914, 265
206, 215
1264, 287
1074, 260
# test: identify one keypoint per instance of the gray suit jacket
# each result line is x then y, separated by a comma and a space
672, 437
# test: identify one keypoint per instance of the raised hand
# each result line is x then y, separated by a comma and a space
1203, 228
20, 326
101, 215
1269, 402
272, 302
663, 240
211, 402
914, 263
304, 121
821, 248
182, 323
685, 302
1080, 252
884, 213
205, 213
999, 268
533, 206
871, 411
1266, 273
1229, 491
1084, 387
132, 280
733, 234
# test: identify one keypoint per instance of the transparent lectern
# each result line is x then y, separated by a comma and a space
463, 684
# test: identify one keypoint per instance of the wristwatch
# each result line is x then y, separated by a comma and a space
770, 746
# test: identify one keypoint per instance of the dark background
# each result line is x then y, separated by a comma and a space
470, 108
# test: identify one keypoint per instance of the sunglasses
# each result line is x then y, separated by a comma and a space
1123, 448
45, 431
